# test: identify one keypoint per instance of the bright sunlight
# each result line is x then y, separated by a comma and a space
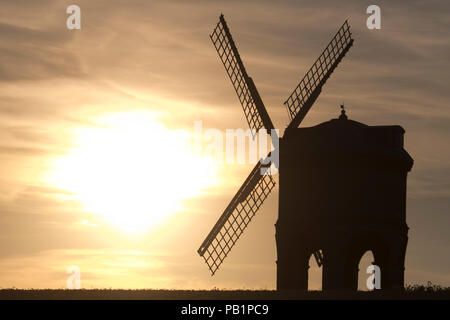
132, 170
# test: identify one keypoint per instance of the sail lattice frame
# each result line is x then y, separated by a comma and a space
319, 72
236, 218
231, 60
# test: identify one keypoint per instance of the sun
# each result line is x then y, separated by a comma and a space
132, 170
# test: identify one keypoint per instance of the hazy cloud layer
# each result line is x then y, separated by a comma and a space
156, 56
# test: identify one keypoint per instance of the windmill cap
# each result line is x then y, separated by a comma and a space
345, 138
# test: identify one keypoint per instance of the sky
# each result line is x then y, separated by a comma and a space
95, 166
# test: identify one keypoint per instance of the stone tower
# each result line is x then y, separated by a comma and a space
342, 191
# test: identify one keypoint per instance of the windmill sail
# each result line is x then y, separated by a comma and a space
254, 109
319, 257
235, 218
307, 91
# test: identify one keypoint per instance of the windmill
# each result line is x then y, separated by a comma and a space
257, 186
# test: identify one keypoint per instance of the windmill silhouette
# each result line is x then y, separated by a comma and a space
317, 176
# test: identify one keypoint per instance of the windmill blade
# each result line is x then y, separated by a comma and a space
235, 218
318, 255
307, 91
254, 109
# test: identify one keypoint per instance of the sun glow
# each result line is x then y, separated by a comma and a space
132, 170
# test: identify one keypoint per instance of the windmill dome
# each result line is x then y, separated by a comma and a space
346, 142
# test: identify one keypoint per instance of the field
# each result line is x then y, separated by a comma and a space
410, 292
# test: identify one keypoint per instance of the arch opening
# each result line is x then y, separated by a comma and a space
365, 261
315, 275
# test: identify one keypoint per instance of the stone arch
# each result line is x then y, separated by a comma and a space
356, 249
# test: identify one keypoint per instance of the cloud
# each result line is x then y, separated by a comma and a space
36, 54
157, 56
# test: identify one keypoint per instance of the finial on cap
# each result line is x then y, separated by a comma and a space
343, 116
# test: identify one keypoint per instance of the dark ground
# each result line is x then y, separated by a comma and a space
411, 292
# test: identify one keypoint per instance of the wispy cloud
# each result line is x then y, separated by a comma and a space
156, 55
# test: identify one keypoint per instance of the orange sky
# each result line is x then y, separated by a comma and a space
153, 61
